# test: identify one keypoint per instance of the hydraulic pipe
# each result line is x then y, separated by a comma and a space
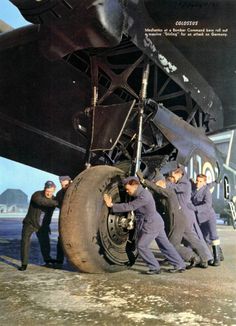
143, 94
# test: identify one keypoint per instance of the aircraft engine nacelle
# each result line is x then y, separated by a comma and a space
74, 24
194, 147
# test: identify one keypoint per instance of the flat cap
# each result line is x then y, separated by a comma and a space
64, 178
159, 176
180, 168
49, 184
172, 166
169, 167
128, 179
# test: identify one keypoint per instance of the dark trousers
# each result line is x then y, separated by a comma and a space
192, 224
44, 241
27, 231
197, 229
176, 236
209, 231
183, 230
165, 247
60, 253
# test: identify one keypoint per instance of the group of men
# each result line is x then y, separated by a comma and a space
187, 208
38, 219
171, 210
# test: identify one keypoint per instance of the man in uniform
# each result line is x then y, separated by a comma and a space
206, 217
182, 187
38, 219
180, 228
151, 226
65, 181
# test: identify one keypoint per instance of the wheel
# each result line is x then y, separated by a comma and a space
93, 239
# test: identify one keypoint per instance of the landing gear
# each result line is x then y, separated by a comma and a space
94, 239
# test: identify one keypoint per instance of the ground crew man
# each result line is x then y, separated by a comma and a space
38, 219
151, 226
179, 226
65, 181
206, 216
182, 187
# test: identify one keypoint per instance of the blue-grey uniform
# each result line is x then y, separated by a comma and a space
180, 227
151, 226
206, 216
183, 191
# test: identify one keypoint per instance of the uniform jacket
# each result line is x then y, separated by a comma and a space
60, 196
202, 200
174, 209
183, 190
38, 204
144, 208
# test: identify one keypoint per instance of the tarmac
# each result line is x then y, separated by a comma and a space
49, 296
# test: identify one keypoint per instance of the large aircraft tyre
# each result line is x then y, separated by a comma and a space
93, 239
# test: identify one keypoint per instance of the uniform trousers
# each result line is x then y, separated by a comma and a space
165, 247
60, 253
183, 229
44, 241
209, 231
193, 224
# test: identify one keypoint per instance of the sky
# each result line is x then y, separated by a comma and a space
19, 176
11, 15
15, 175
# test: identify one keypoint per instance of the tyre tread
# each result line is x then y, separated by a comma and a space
86, 255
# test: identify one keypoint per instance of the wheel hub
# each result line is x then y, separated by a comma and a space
116, 229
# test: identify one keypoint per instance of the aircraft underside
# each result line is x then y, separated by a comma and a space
73, 93
49, 103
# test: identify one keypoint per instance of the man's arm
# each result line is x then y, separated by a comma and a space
159, 190
128, 207
206, 204
178, 187
59, 197
151, 185
125, 207
39, 199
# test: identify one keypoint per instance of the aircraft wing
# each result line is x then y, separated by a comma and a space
46, 71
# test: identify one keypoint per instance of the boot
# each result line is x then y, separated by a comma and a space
221, 254
216, 256
22, 268
50, 262
203, 264
194, 261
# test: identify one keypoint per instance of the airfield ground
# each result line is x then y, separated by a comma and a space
46, 296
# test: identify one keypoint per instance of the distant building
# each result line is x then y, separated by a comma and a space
3, 208
13, 201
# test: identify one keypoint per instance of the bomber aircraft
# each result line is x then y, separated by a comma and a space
100, 89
